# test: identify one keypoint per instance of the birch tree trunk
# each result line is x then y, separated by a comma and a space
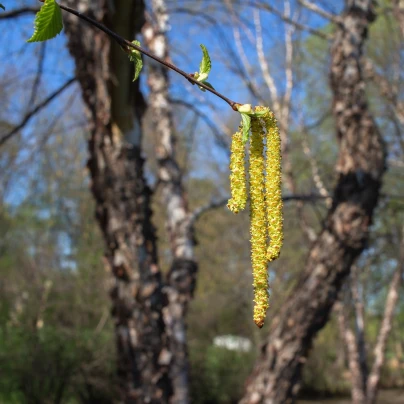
372, 384
115, 106
360, 167
365, 387
181, 278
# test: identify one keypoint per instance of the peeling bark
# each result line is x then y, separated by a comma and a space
181, 278
114, 107
360, 167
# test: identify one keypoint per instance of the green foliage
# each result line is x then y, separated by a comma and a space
204, 68
1, 6
48, 22
136, 57
205, 65
219, 375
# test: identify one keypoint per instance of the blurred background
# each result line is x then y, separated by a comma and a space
126, 277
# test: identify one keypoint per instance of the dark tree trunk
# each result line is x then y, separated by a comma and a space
115, 106
360, 168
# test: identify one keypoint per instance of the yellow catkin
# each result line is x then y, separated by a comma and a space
258, 224
274, 204
238, 187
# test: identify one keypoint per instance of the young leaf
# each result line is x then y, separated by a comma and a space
1, 6
208, 84
136, 57
48, 22
245, 109
246, 126
206, 65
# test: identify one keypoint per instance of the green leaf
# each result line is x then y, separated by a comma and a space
136, 57
208, 84
1, 6
246, 126
48, 22
206, 65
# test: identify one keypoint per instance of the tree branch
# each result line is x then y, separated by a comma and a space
18, 12
125, 45
29, 115
288, 20
318, 10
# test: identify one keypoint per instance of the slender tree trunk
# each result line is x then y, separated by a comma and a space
358, 381
365, 387
360, 167
385, 328
359, 325
182, 275
115, 106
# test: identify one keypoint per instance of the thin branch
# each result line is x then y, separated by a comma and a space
197, 213
235, 65
288, 20
214, 204
125, 44
269, 80
38, 74
219, 137
320, 11
18, 12
34, 111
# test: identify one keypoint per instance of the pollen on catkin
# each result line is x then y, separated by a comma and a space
274, 204
258, 225
238, 187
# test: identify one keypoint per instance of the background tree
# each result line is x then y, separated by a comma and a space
242, 49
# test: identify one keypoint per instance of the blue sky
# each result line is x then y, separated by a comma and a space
210, 24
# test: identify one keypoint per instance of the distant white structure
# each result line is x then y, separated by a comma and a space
233, 343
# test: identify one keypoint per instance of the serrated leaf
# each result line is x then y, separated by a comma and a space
206, 65
1, 6
246, 126
48, 22
136, 57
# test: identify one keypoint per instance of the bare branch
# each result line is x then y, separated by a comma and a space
214, 204
18, 12
38, 74
39, 107
219, 137
318, 10
315, 171
269, 80
289, 30
288, 20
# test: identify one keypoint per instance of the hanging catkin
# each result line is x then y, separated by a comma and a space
238, 187
258, 225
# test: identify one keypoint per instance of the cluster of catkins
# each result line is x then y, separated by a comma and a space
265, 199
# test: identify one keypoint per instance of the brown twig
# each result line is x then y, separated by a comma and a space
125, 45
